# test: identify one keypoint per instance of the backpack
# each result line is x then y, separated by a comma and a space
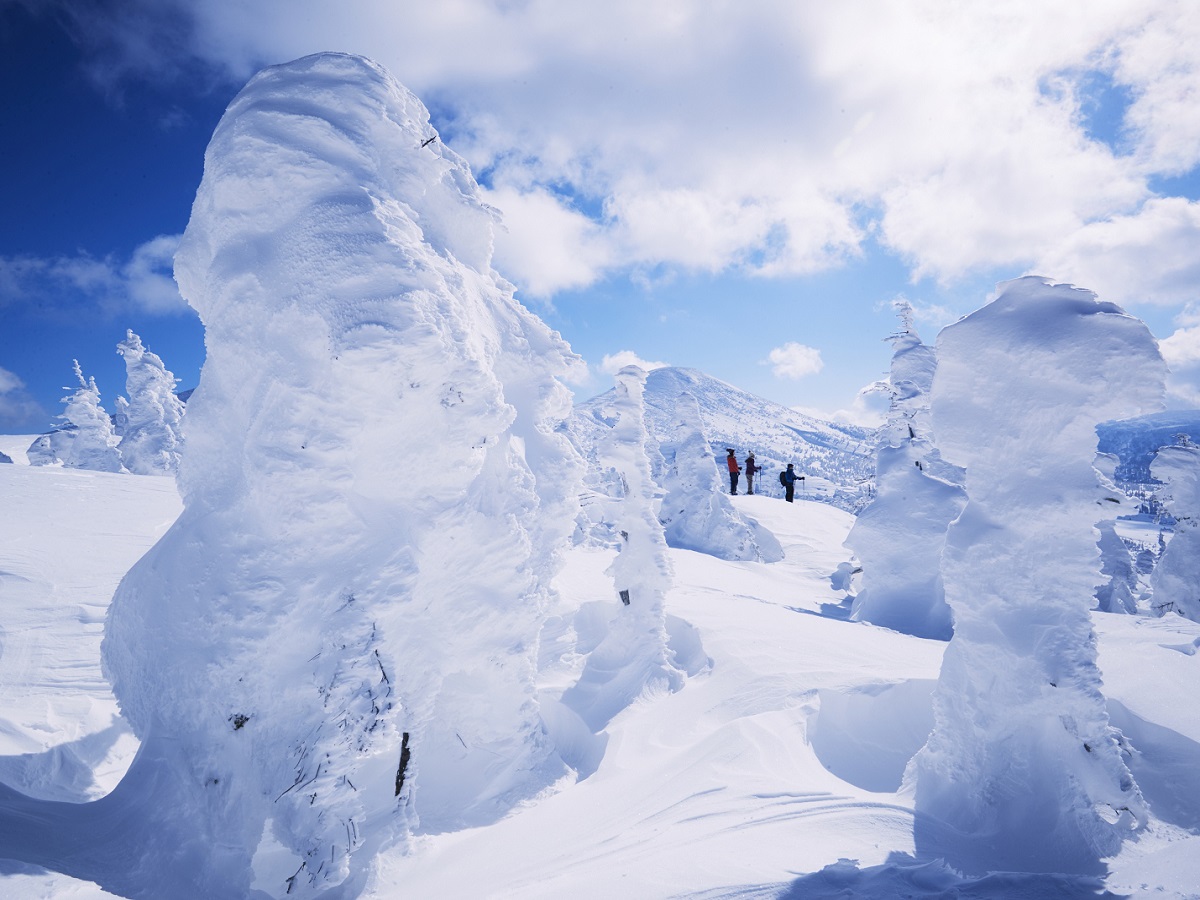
782, 480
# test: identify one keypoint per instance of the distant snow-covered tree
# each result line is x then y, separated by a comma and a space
86, 439
150, 420
1119, 593
1176, 579
696, 513
898, 539
633, 657
1022, 771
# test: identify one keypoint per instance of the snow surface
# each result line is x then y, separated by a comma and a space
782, 759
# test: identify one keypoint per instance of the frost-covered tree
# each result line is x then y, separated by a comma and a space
1118, 594
334, 646
633, 657
1176, 579
152, 416
1022, 764
696, 512
898, 539
86, 439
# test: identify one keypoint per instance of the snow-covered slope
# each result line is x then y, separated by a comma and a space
1135, 441
751, 782
837, 460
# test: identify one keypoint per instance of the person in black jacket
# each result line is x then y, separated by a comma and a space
789, 479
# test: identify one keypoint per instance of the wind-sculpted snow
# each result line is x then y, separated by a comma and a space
1176, 578
334, 646
1135, 441
151, 426
695, 512
1022, 763
900, 536
837, 459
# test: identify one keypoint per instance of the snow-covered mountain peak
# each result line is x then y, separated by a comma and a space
837, 459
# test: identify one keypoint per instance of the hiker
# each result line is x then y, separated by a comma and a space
751, 468
788, 479
734, 468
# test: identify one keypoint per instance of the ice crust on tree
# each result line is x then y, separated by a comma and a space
899, 538
1117, 595
152, 416
1176, 579
1022, 770
86, 439
334, 646
695, 512
634, 657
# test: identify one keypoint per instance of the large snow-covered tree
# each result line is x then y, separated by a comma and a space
334, 646
152, 416
634, 656
696, 512
1022, 771
899, 537
86, 439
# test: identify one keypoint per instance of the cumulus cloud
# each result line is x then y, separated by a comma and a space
1147, 257
765, 136
143, 282
794, 360
615, 362
19, 412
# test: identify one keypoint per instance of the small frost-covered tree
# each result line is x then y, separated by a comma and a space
1117, 595
696, 513
1022, 764
633, 657
1176, 578
86, 439
150, 430
899, 537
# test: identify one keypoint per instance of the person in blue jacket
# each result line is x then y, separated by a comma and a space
789, 479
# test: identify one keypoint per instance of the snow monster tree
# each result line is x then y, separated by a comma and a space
1022, 771
333, 648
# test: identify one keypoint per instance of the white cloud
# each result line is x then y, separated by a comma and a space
18, 410
144, 282
794, 360
766, 136
1147, 257
615, 362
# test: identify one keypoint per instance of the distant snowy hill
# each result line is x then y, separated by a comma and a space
837, 460
1135, 441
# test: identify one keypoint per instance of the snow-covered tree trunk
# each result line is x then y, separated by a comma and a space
86, 440
1022, 765
1176, 578
696, 512
334, 646
898, 539
633, 658
1117, 594
150, 432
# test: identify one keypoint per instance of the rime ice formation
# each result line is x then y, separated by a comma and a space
334, 645
1022, 765
696, 513
633, 657
1176, 578
1117, 595
86, 439
900, 536
151, 418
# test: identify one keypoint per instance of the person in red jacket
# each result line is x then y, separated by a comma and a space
751, 469
734, 469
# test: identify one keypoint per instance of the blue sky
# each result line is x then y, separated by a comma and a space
741, 188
